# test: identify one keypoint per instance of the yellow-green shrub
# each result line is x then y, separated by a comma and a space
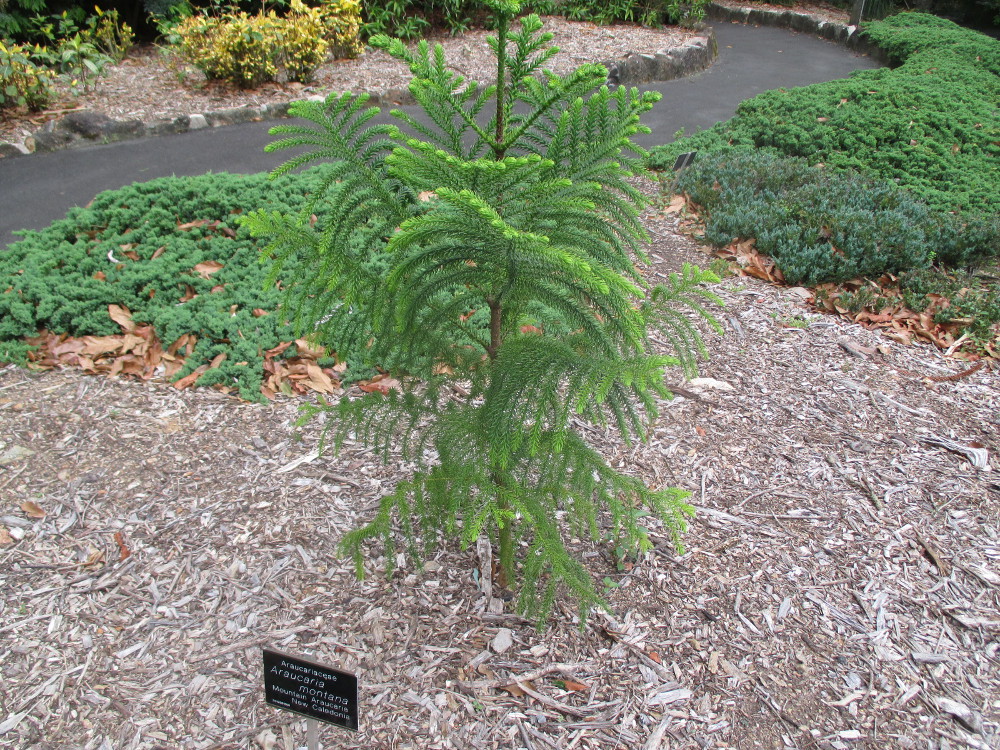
250, 50
342, 26
303, 46
234, 47
22, 82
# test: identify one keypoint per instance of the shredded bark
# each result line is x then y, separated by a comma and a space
839, 587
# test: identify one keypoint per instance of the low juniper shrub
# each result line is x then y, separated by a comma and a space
822, 227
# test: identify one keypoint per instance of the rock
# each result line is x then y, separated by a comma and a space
51, 140
12, 149
94, 126
197, 122
88, 124
702, 384
235, 115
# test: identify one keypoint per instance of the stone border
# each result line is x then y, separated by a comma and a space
850, 36
87, 128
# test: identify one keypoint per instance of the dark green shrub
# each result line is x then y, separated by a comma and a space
953, 297
906, 34
821, 227
930, 125
646, 12
409, 19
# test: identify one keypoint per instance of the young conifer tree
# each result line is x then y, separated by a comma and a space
493, 267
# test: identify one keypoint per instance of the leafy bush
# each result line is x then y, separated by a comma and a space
16, 19
929, 125
409, 19
302, 41
249, 50
646, 12
77, 47
489, 233
23, 83
237, 47
139, 247
77, 59
109, 34
821, 227
342, 26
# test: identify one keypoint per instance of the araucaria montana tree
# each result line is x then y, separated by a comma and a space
492, 266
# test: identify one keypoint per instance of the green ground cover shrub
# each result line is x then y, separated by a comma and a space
826, 227
138, 247
929, 125
887, 171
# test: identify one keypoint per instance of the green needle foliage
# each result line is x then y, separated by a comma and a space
490, 262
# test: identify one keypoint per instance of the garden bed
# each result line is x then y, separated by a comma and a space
150, 84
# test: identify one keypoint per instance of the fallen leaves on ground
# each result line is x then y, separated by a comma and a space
381, 383
884, 310
138, 352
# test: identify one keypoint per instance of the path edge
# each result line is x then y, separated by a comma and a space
89, 128
851, 37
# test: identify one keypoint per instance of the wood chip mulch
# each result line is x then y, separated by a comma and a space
840, 586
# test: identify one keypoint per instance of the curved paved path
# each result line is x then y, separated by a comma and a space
38, 189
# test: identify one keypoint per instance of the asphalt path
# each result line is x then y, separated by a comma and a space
37, 189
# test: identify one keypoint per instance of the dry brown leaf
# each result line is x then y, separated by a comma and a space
132, 343
206, 268
5, 537
189, 380
94, 557
309, 350
677, 204
95, 346
124, 551
515, 689
32, 509
122, 316
318, 380
379, 384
